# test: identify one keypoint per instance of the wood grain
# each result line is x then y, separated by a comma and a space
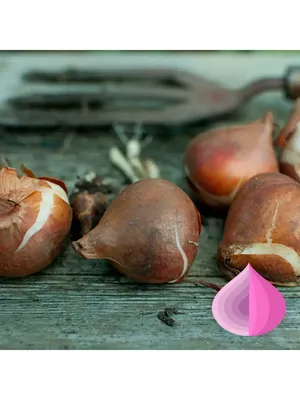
81, 304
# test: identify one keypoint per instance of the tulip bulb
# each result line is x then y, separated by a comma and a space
218, 163
149, 232
289, 141
262, 229
289, 161
35, 218
290, 126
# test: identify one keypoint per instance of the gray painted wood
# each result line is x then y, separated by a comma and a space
81, 304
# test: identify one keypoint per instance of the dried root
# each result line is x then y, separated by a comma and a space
130, 163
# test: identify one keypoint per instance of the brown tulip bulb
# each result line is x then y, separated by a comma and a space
149, 232
218, 163
289, 141
262, 229
35, 219
290, 126
289, 160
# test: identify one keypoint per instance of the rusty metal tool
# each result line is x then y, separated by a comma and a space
158, 97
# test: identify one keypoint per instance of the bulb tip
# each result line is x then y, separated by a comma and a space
77, 246
85, 249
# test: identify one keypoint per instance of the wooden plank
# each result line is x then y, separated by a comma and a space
81, 304
82, 313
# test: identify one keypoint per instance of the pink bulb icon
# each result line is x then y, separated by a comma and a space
249, 305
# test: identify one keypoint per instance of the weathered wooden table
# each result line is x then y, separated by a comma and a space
81, 304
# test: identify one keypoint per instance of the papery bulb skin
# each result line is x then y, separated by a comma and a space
150, 233
262, 229
249, 305
290, 126
219, 162
35, 219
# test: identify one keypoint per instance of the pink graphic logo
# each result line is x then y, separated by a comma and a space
249, 305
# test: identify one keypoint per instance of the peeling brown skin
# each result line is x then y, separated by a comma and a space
221, 160
290, 126
137, 232
57, 181
249, 220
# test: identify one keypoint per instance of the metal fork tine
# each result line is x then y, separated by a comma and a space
170, 115
99, 74
36, 93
